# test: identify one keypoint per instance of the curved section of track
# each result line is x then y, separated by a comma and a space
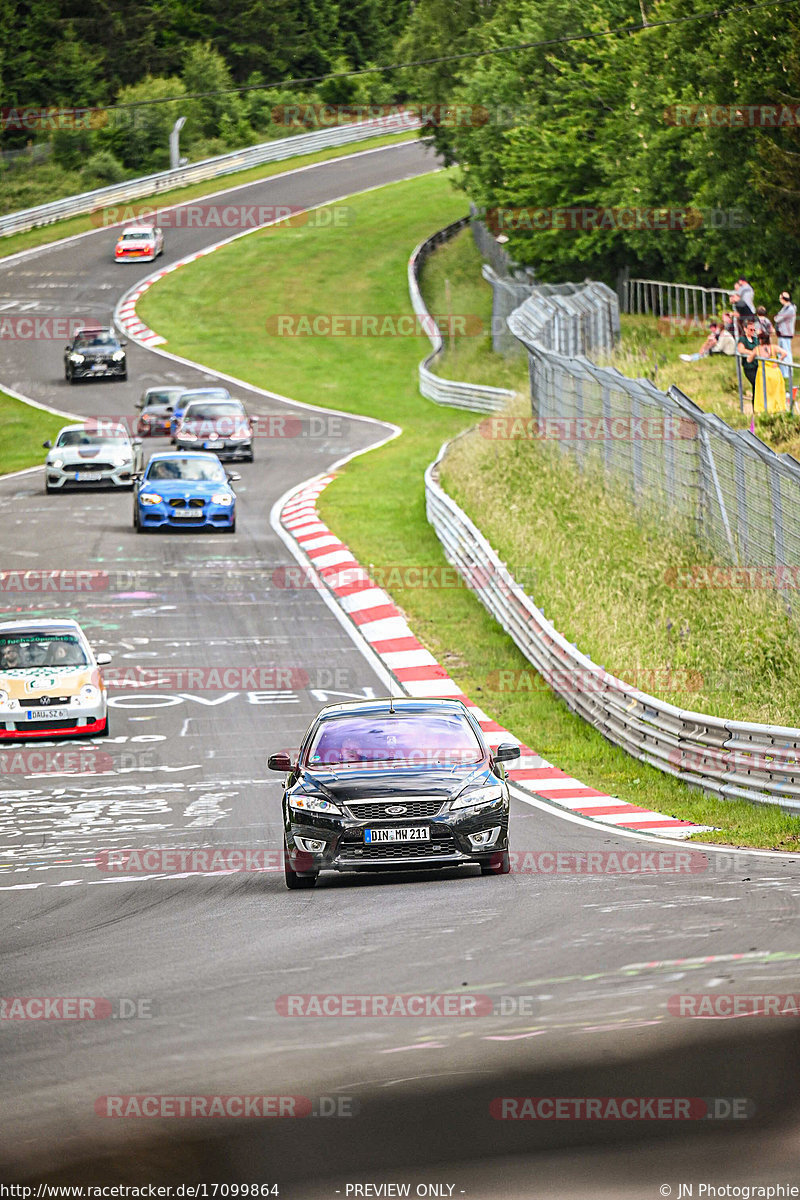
585, 959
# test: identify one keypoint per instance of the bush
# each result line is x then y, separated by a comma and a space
101, 169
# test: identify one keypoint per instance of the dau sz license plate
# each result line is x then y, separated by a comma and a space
46, 714
194, 514
406, 833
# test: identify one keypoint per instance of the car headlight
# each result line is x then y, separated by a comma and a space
56, 463
314, 804
223, 498
76, 358
7, 702
89, 694
151, 498
478, 798
118, 355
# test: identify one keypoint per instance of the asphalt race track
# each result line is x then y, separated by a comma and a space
580, 966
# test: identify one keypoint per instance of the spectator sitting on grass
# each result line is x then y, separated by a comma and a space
719, 341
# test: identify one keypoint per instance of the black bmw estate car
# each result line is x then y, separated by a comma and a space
394, 784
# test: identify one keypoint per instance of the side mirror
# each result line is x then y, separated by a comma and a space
48, 445
136, 443
123, 341
139, 404
506, 751
232, 476
103, 659
279, 762
169, 408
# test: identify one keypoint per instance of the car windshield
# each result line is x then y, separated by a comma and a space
22, 650
136, 235
80, 437
160, 398
411, 737
194, 469
205, 412
211, 394
95, 339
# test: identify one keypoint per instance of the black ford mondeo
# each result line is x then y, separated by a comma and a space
394, 784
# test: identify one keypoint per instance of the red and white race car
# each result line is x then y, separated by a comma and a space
139, 243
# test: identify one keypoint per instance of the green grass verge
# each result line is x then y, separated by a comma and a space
217, 312
83, 223
24, 428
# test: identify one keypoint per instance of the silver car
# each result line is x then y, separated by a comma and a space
88, 456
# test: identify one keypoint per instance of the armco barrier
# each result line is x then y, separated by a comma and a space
209, 168
471, 396
732, 759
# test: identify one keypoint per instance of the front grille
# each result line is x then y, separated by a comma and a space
27, 726
45, 701
375, 810
366, 852
92, 466
193, 502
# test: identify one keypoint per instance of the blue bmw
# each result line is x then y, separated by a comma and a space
179, 490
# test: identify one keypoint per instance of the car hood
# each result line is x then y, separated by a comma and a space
183, 487
137, 244
30, 682
87, 454
383, 783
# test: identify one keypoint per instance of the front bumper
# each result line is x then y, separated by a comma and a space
210, 516
84, 720
227, 450
448, 844
67, 476
136, 256
107, 369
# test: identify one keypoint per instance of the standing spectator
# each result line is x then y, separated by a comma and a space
746, 294
748, 348
769, 387
763, 323
784, 324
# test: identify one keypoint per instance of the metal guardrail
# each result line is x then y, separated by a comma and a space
734, 760
209, 168
473, 396
683, 300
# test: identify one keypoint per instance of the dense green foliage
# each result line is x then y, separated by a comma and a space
579, 124
587, 124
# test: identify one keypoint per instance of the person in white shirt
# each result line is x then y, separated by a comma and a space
784, 326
